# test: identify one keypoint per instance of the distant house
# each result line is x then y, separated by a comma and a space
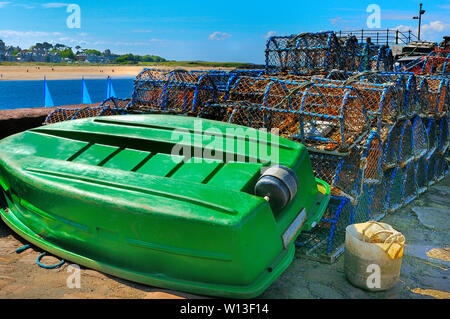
91, 58
2, 50
53, 58
81, 57
24, 56
9, 57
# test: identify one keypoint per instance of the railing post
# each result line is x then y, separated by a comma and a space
362, 35
396, 37
387, 37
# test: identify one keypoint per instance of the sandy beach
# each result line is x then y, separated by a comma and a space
26, 72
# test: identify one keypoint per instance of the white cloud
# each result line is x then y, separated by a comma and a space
335, 21
141, 31
219, 36
72, 41
435, 26
403, 28
26, 6
270, 34
55, 5
25, 34
433, 31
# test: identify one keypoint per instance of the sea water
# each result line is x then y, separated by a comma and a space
24, 94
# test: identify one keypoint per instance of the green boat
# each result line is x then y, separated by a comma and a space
156, 200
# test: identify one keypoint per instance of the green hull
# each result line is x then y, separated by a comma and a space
107, 194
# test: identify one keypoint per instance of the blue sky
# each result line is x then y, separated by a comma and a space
203, 30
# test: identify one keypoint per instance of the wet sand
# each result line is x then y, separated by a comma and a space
26, 72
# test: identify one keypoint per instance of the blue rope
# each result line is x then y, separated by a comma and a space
21, 249
38, 261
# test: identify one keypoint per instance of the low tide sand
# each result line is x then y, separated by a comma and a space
23, 73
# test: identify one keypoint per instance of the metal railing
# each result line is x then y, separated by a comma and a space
380, 36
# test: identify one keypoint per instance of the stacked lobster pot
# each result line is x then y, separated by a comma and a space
372, 57
437, 63
176, 91
306, 53
332, 121
435, 116
379, 138
183, 92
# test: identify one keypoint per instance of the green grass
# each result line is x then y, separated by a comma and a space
205, 64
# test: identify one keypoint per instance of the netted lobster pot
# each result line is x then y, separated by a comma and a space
254, 73
223, 81
108, 107
442, 167
350, 54
437, 65
384, 60
332, 118
280, 122
437, 90
343, 173
398, 144
380, 100
419, 137
153, 75
289, 77
116, 103
432, 165
405, 148
409, 190
443, 137
249, 89
218, 112
378, 205
406, 94
336, 218
339, 75
431, 127
421, 178
372, 159
181, 92
362, 213
394, 183
60, 115
304, 53
375, 58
